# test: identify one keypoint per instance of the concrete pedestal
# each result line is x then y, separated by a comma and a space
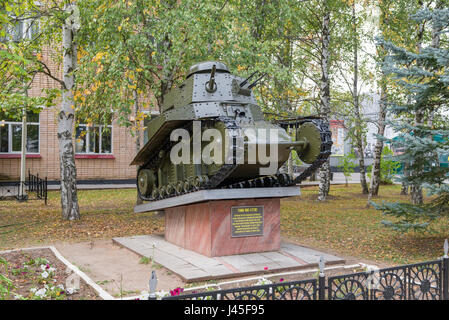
206, 227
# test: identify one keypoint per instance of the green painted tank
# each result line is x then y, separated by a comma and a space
212, 122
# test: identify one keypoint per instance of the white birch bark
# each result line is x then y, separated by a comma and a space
375, 173
324, 172
359, 130
66, 117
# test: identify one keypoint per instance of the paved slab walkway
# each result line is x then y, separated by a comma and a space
192, 266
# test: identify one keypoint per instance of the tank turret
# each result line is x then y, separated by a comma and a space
212, 134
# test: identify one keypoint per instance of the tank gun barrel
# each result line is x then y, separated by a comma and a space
244, 82
298, 145
252, 85
211, 86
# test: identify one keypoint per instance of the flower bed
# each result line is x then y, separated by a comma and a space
38, 275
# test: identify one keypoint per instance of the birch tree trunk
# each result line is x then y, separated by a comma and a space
324, 172
375, 173
66, 117
359, 129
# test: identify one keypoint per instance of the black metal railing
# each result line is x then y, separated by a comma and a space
294, 290
34, 188
38, 185
421, 281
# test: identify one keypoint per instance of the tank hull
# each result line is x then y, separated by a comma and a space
211, 134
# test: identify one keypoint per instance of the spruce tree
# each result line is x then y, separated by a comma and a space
420, 116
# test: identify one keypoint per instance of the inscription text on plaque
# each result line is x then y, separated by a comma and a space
246, 221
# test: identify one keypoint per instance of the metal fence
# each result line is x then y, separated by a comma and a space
421, 281
34, 188
295, 290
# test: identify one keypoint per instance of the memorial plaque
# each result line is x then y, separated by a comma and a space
246, 221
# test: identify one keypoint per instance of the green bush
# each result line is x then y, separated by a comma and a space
388, 167
347, 165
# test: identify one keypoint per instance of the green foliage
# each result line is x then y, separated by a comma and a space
419, 114
21, 59
6, 284
147, 46
145, 260
388, 166
348, 164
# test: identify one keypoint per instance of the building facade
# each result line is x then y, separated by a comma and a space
101, 153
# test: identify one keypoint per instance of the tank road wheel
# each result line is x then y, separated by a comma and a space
146, 180
179, 187
162, 192
187, 186
170, 189
199, 181
155, 194
205, 180
310, 133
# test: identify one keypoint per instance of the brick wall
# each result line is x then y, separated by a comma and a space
46, 164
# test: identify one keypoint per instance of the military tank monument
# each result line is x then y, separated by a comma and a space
212, 159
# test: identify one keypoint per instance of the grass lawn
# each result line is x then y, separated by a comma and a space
344, 225
341, 224
104, 214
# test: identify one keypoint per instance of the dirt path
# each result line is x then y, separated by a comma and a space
116, 269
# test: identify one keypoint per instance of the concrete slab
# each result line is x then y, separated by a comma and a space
192, 266
218, 194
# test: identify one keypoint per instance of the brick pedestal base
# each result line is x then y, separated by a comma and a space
206, 227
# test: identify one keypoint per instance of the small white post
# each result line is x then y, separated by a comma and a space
22, 193
153, 286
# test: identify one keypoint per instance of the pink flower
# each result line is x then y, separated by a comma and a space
176, 292
47, 266
281, 279
266, 268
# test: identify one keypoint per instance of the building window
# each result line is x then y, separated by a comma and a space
96, 139
11, 134
21, 29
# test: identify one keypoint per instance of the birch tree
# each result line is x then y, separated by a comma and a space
354, 66
324, 173
66, 115
23, 60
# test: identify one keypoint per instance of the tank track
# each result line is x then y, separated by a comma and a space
282, 180
207, 182
225, 169
278, 180
325, 152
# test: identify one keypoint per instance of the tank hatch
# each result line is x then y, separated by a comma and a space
206, 67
